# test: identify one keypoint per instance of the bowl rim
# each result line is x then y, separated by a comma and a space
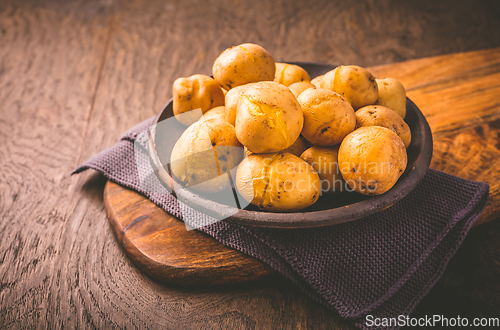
309, 219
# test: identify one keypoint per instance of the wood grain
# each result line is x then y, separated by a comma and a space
50, 55
75, 74
160, 245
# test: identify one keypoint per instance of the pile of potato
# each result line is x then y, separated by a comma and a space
287, 139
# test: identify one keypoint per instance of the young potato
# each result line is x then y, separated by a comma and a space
299, 87
232, 99
268, 117
318, 81
356, 84
392, 94
278, 182
377, 115
192, 93
371, 159
324, 160
215, 113
327, 82
298, 147
206, 150
243, 64
287, 74
328, 117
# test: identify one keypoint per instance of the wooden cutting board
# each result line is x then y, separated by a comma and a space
460, 96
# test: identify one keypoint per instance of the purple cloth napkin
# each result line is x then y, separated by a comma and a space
380, 266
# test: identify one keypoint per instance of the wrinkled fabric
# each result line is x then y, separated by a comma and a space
382, 265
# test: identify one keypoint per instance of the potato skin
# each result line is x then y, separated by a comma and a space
328, 117
324, 160
298, 147
377, 115
243, 64
371, 159
356, 84
193, 160
269, 118
279, 182
215, 113
327, 80
299, 87
287, 74
195, 92
232, 99
318, 81
392, 94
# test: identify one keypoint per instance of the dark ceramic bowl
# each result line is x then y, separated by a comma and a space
329, 209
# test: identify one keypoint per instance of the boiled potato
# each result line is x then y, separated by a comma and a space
192, 93
356, 84
371, 159
324, 160
268, 117
243, 64
206, 150
328, 117
232, 99
327, 81
377, 115
279, 182
299, 87
318, 81
287, 74
297, 148
392, 94
215, 113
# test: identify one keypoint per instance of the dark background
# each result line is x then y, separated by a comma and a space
75, 74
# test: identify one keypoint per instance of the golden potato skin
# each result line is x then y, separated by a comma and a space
327, 82
287, 74
299, 87
328, 117
232, 99
298, 147
356, 84
279, 182
324, 160
318, 81
205, 150
371, 159
392, 94
269, 118
243, 64
195, 92
377, 115
215, 113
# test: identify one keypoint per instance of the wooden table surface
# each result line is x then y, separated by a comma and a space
75, 74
